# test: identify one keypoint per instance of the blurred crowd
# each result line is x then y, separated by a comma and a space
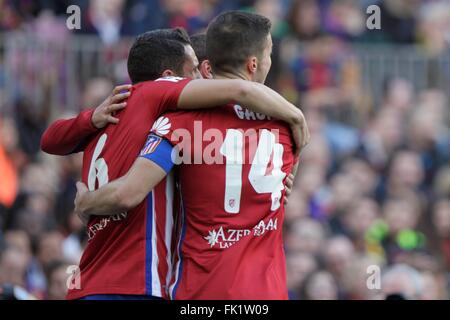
373, 188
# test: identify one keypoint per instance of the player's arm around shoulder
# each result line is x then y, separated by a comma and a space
120, 195
202, 93
254, 96
125, 193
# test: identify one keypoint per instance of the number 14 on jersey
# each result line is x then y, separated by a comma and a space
272, 182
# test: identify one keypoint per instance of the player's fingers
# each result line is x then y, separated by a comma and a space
119, 97
120, 88
80, 216
288, 191
116, 107
289, 184
84, 219
111, 119
80, 186
290, 178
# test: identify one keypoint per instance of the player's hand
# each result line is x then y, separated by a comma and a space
105, 112
82, 190
301, 135
288, 187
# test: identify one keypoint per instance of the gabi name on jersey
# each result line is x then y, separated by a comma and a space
245, 114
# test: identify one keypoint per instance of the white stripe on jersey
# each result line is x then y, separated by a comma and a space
156, 283
169, 225
180, 236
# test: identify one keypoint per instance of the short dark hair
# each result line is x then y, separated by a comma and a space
155, 51
199, 45
234, 36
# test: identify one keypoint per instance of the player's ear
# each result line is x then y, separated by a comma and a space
168, 73
206, 70
252, 65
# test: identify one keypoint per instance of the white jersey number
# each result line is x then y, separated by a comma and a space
98, 170
232, 150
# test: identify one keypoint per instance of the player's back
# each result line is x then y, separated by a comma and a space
120, 256
231, 241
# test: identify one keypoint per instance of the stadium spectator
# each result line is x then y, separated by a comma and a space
404, 281
319, 285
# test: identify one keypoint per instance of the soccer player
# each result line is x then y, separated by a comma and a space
233, 164
199, 45
128, 254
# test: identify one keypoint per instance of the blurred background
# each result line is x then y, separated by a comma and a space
374, 183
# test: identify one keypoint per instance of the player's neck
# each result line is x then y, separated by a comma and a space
231, 75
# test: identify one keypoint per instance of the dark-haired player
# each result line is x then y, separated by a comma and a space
199, 45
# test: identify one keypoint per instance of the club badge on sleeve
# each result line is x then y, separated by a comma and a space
152, 142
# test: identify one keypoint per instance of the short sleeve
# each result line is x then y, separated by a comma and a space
170, 91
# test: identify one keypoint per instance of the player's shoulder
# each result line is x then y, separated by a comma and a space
160, 82
170, 79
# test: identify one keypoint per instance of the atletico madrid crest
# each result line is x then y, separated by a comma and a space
152, 142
